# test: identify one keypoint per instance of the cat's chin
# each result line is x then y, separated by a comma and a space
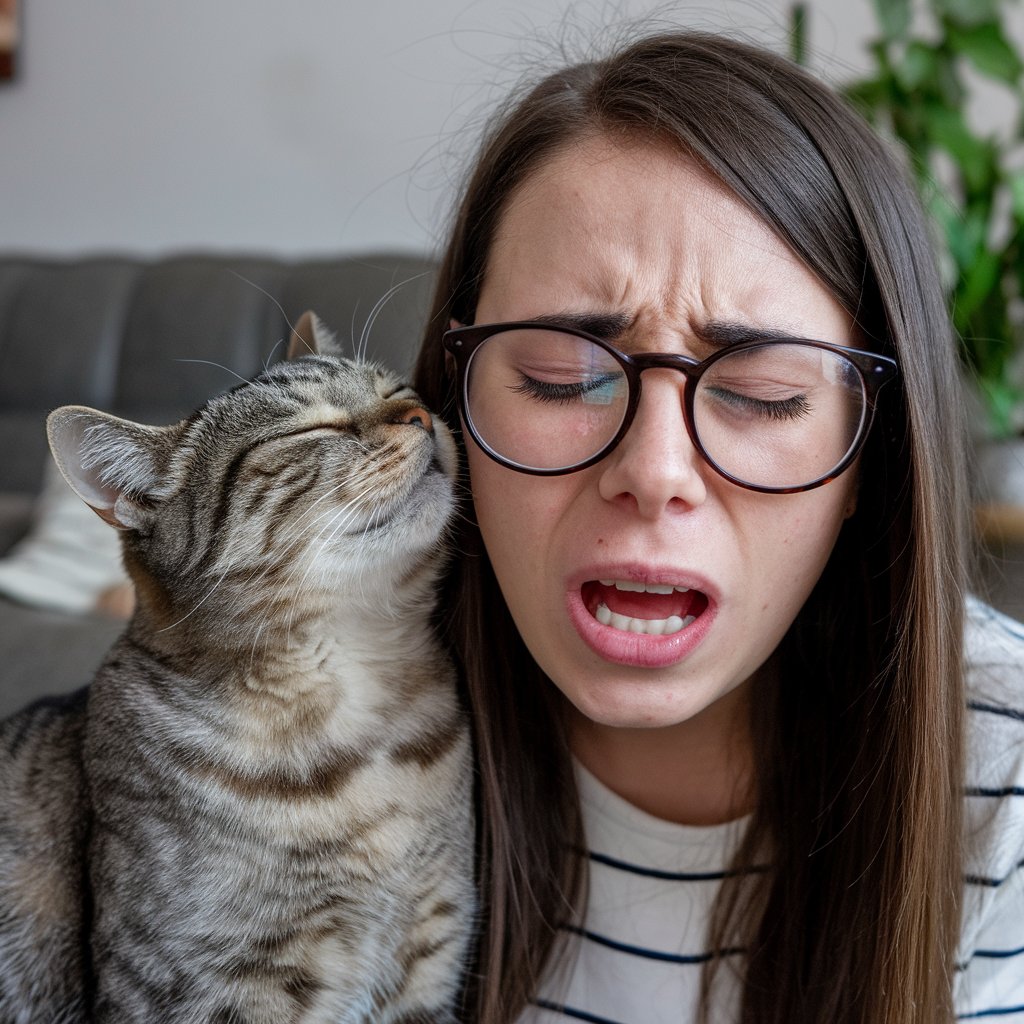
417, 520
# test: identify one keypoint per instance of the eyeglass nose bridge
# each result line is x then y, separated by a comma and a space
636, 364
690, 367
665, 360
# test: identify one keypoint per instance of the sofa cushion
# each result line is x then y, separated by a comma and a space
60, 333
65, 655
25, 452
69, 558
15, 519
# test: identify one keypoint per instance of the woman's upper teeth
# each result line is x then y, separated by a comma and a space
643, 588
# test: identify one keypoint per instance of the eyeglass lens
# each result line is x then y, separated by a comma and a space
779, 415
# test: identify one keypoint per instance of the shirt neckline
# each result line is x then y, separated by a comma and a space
599, 800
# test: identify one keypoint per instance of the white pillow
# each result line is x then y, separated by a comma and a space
69, 559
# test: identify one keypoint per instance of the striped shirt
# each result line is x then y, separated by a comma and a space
638, 955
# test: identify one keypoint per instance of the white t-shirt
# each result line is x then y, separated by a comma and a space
637, 958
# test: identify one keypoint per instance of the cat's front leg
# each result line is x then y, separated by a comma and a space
432, 956
43, 815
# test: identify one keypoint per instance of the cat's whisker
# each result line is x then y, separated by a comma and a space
274, 300
288, 586
345, 514
277, 345
352, 331
219, 366
301, 526
364, 338
199, 603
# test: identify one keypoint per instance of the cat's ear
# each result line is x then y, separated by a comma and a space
110, 463
311, 337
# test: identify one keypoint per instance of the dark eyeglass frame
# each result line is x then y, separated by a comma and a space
462, 342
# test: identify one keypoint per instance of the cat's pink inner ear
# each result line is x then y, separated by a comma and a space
83, 471
303, 340
109, 517
312, 337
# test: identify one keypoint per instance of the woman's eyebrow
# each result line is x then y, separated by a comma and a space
606, 326
610, 326
722, 334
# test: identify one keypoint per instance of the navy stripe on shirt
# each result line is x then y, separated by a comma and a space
1007, 625
998, 954
996, 709
992, 883
568, 1011
675, 876
1003, 1011
990, 954
649, 954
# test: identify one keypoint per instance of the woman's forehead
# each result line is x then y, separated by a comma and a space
638, 227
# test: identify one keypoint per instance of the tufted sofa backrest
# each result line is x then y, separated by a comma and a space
153, 339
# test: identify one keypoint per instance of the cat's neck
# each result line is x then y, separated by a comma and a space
288, 650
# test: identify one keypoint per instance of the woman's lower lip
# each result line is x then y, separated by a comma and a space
640, 650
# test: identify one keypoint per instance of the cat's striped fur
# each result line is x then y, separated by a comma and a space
259, 812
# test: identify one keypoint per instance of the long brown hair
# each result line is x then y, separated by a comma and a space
859, 746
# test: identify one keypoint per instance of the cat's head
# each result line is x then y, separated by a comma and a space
320, 480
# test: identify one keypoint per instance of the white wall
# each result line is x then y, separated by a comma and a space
298, 127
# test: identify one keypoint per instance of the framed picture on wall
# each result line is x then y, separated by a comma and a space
9, 26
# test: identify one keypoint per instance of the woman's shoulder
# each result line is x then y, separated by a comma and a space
990, 978
993, 650
994, 664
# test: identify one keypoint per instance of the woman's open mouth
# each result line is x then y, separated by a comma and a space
650, 609
636, 622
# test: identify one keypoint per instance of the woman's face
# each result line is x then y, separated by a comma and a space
606, 228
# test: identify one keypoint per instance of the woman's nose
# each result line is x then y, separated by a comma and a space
656, 466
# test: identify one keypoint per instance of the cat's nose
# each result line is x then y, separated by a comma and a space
417, 417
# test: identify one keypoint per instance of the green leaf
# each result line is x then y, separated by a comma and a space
871, 96
987, 48
974, 157
959, 245
1020, 279
798, 33
965, 12
978, 284
1001, 400
1015, 180
948, 78
920, 65
893, 17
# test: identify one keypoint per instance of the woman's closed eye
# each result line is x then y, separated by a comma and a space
602, 389
792, 407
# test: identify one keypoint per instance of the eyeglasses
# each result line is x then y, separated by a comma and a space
777, 416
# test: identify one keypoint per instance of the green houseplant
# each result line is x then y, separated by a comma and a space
927, 61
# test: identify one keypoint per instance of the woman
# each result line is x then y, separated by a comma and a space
728, 613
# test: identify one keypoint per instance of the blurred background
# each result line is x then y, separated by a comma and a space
313, 126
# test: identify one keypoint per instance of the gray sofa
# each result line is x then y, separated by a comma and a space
151, 340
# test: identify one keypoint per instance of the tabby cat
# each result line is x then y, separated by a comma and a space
259, 812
